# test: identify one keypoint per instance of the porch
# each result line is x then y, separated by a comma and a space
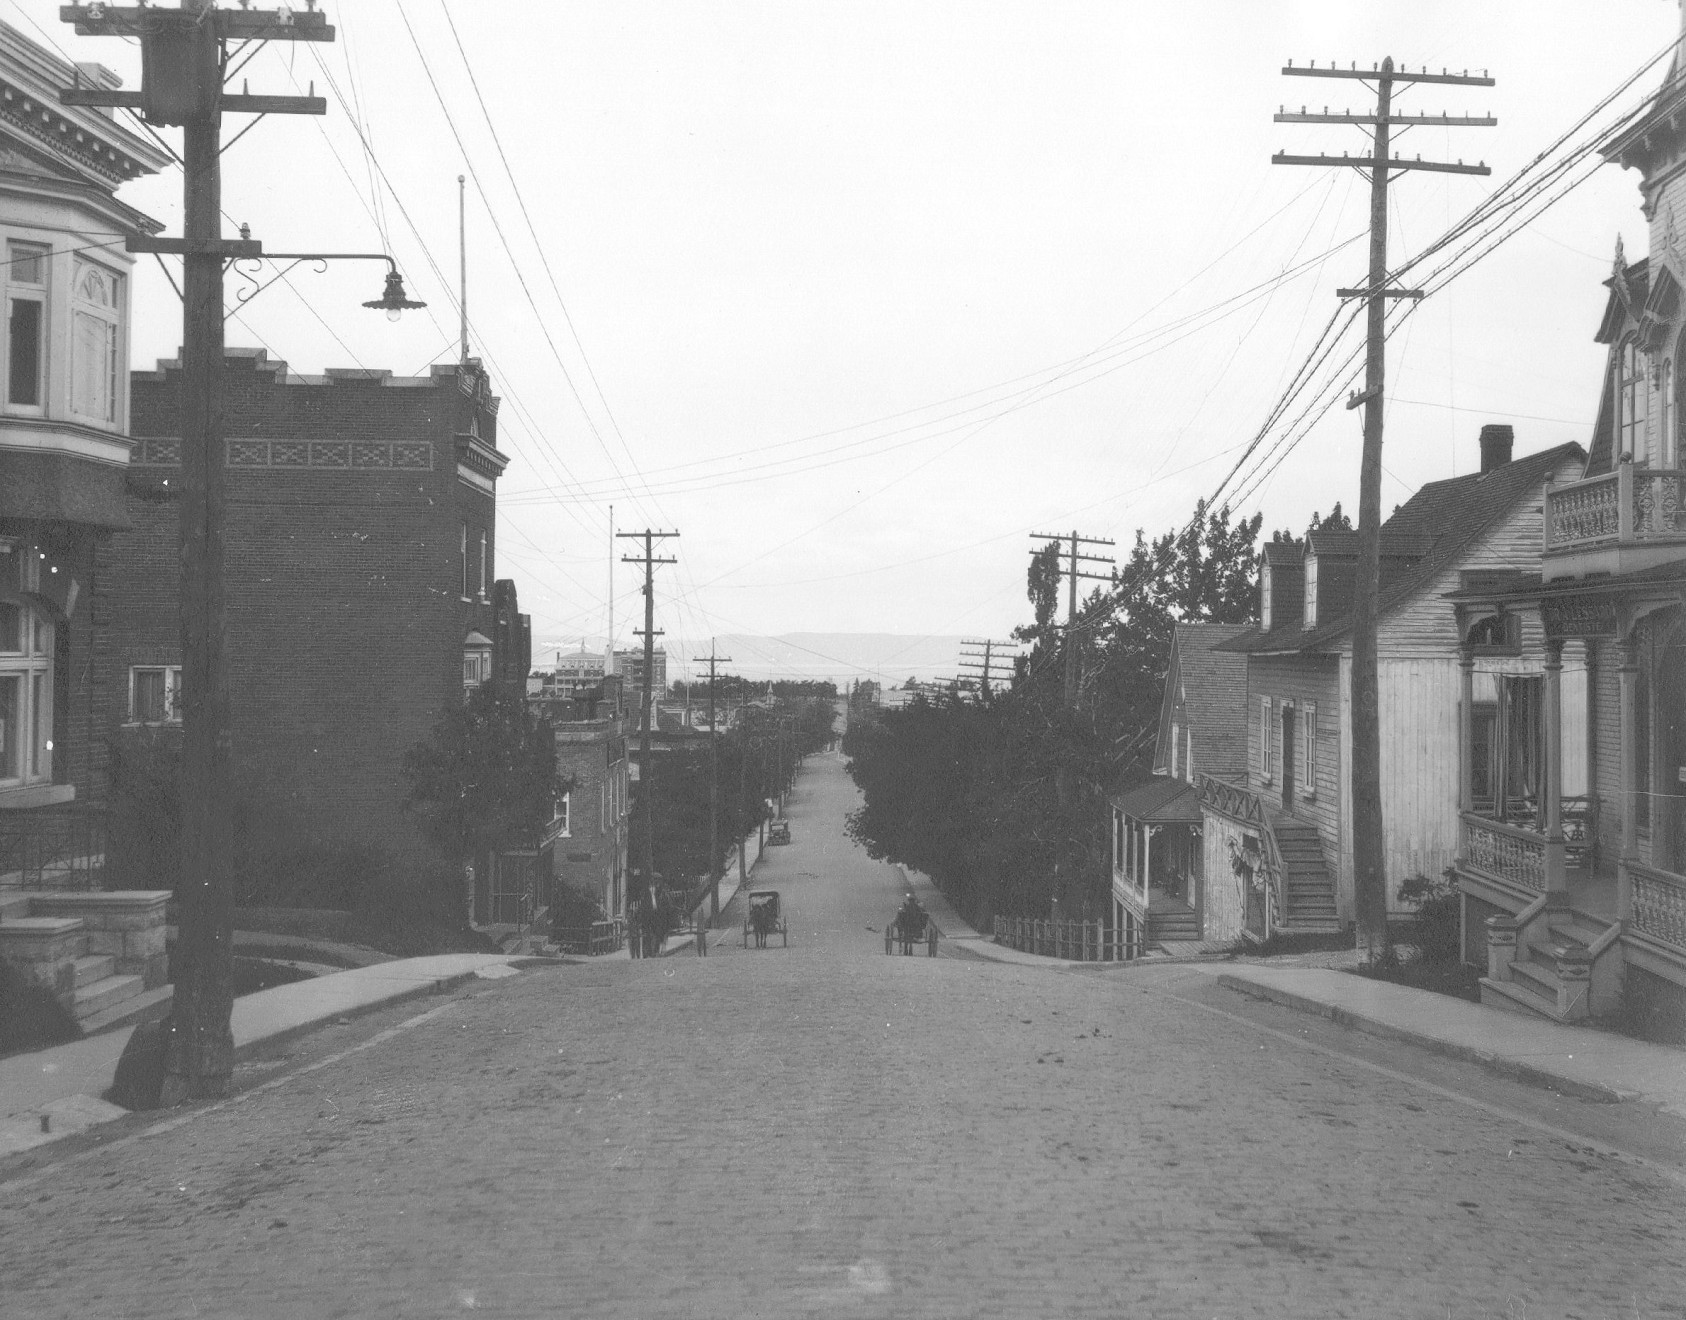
1157, 854
1566, 893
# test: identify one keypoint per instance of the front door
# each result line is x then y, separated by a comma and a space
1287, 758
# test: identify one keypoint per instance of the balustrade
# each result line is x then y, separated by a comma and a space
1659, 904
1583, 513
1657, 502
1506, 853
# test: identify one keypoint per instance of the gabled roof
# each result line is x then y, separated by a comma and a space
1211, 687
1450, 515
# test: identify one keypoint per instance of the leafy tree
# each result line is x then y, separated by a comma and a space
1003, 804
487, 777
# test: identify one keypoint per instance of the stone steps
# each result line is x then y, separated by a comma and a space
104, 995
93, 967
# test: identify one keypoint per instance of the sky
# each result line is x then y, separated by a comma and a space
858, 296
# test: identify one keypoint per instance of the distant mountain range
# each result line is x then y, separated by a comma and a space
891, 658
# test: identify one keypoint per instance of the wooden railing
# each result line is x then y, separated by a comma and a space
1630, 504
1076, 941
1659, 904
1506, 853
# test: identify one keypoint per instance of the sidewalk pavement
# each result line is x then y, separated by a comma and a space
1580, 1061
63, 1084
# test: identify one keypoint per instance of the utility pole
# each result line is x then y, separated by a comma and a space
184, 66
646, 768
1369, 878
981, 665
713, 791
1072, 573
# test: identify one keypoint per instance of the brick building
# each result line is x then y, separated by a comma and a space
362, 596
590, 850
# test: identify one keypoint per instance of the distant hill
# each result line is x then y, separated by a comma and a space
891, 658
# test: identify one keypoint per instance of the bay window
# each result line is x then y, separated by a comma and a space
1632, 398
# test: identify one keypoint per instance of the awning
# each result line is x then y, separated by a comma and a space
1161, 801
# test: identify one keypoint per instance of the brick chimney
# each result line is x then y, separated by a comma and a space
1497, 440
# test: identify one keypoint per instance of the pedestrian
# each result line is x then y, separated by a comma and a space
635, 928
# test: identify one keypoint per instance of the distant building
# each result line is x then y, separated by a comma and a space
590, 849
630, 664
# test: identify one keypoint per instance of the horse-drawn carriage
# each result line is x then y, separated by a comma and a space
764, 917
911, 925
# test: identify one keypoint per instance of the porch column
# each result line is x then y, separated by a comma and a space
1551, 786
1628, 653
1147, 857
1593, 788
1466, 728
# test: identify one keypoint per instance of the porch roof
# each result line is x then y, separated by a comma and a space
1531, 587
1161, 801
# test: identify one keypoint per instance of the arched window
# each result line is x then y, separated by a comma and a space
94, 379
1632, 394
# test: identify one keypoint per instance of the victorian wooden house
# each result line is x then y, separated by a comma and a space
1572, 856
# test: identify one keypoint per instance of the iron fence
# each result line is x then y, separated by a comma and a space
59, 847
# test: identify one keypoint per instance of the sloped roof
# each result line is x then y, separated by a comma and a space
1213, 691
1452, 515
1160, 801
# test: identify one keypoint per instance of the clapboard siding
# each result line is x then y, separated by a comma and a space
1607, 749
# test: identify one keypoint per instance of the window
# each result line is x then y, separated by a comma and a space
26, 693
1632, 390
1308, 747
1264, 595
1175, 739
1499, 634
464, 561
1264, 739
1310, 592
155, 694
1665, 411
485, 565
563, 819
94, 387
26, 323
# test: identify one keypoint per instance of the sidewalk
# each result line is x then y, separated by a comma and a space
65, 1083
1579, 1061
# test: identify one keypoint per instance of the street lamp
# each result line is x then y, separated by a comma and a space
393, 300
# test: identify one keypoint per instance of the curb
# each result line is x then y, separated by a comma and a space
443, 985
1515, 1069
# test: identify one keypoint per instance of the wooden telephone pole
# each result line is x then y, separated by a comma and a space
184, 64
1369, 876
713, 790
649, 632
1072, 573
982, 665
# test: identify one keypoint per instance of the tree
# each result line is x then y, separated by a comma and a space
487, 777
972, 794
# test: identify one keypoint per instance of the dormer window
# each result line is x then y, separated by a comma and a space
1264, 595
1632, 397
1311, 592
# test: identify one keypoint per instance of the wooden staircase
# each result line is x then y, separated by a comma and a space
1168, 919
1549, 976
1308, 890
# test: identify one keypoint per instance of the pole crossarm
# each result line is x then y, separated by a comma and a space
101, 20
1067, 536
1407, 121
1390, 164
1464, 79
1379, 293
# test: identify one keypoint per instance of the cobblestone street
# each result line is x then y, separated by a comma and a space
823, 1130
